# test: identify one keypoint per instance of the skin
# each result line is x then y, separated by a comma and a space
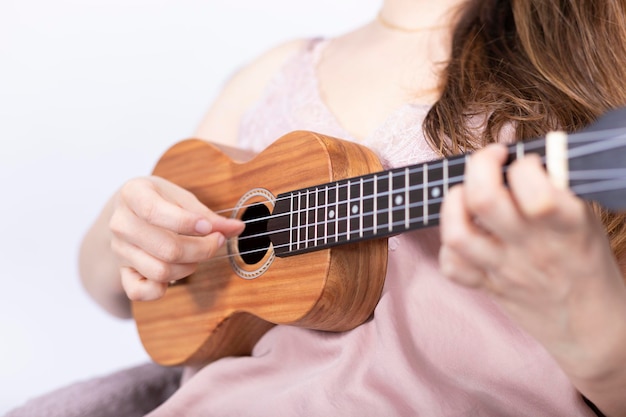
536, 249
543, 256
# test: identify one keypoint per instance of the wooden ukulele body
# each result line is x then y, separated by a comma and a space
231, 301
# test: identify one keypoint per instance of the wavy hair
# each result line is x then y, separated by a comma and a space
535, 65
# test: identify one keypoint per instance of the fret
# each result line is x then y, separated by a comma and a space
336, 213
311, 221
425, 193
382, 204
348, 211
375, 204
446, 181
306, 219
368, 199
295, 216
325, 215
342, 211
354, 206
302, 224
407, 185
291, 211
361, 207
331, 214
316, 208
455, 171
397, 198
416, 196
390, 202
321, 222
435, 190
520, 149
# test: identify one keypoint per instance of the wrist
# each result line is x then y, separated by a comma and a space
598, 369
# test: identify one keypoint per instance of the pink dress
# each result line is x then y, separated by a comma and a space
432, 349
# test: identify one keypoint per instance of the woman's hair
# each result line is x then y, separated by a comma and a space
535, 65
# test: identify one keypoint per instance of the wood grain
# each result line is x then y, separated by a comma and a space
214, 312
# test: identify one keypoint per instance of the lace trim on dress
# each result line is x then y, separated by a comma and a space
398, 141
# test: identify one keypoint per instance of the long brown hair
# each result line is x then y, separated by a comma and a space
537, 66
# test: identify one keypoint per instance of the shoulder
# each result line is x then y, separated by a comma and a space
249, 81
243, 88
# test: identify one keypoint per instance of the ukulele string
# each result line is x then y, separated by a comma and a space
597, 146
613, 184
608, 174
338, 236
596, 135
583, 189
613, 179
599, 186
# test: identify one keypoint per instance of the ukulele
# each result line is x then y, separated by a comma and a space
318, 211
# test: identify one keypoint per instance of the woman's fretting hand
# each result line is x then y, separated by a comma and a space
542, 254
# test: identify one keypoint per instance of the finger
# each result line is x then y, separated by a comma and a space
226, 226
138, 288
211, 221
148, 266
184, 198
461, 235
159, 203
487, 198
458, 270
538, 199
143, 199
165, 245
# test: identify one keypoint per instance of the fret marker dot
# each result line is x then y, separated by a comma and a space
355, 209
398, 200
331, 214
435, 192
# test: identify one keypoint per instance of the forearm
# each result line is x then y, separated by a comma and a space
605, 385
597, 367
607, 392
611, 403
98, 267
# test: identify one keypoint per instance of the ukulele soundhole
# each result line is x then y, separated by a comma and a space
251, 253
254, 241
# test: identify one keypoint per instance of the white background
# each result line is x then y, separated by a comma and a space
91, 93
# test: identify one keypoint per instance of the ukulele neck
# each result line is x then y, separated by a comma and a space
370, 206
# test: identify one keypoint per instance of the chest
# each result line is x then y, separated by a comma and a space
363, 86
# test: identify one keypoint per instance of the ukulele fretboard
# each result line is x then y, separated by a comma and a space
373, 205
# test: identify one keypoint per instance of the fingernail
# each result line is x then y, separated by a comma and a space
203, 227
220, 241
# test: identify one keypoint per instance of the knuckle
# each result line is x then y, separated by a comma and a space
158, 291
210, 250
116, 247
135, 293
542, 208
170, 251
146, 208
140, 288
141, 203
116, 224
132, 187
161, 272
455, 239
481, 201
